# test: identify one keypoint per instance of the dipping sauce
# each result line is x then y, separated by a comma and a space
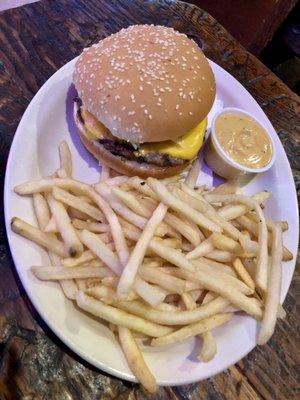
243, 140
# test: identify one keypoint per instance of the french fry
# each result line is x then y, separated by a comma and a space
139, 251
107, 291
274, 288
130, 201
135, 360
243, 273
120, 317
212, 283
77, 203
41, 210
51, 227
105, 172
233, 211
185, 230
99, 248
116, 180
201, 250
68, 286
61, 173
149, 293
208, 348
63, 223
252, 226
197, 199
193, 173
217, 265
192, 330
65, 158
179, 317
95, 227
221, 256
126, 212
43, 239
45, 185
142, 186
166, 281
223, 242
229, 187
85, 257
152, 294
262, 256
181, 207
57, 273
42, 213
188, 301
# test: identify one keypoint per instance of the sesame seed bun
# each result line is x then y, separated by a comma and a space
146, 83
126, 167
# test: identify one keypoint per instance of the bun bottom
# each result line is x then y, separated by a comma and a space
126, 167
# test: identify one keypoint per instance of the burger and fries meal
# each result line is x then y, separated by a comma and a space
152, 254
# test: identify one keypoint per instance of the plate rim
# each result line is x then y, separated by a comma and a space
66, 340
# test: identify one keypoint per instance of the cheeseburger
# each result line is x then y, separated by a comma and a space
143, 97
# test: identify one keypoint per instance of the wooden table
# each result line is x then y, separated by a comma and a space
35, 41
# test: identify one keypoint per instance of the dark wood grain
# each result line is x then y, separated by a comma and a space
35, 41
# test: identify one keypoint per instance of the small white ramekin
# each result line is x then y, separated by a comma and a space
220, 162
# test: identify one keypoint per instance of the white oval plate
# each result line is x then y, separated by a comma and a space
34, 154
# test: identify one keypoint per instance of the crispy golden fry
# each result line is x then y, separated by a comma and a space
120, 317
192, 330
208, 348
222, 256
181, 207
105, 173
188, 301
223, 242
46, 240
180, 317
116, 180
85, 257
135, 360
229, 187
166, 281
57, 273
126, 212
41, 210
51, 227
68, 286
201, 250
253, 228
243, 273
262, 256
95, 227
193, 173
274, 288
136, 257
65, 158
74, 201
65, 228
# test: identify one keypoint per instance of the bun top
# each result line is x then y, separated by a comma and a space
146, 83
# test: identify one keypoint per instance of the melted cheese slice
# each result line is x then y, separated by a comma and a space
94, 127
185, 147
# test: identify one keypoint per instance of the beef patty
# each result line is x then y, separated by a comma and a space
129, 151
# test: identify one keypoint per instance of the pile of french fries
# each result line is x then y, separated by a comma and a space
157, 260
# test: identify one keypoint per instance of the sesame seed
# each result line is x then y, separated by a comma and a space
190, 113
177, 106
